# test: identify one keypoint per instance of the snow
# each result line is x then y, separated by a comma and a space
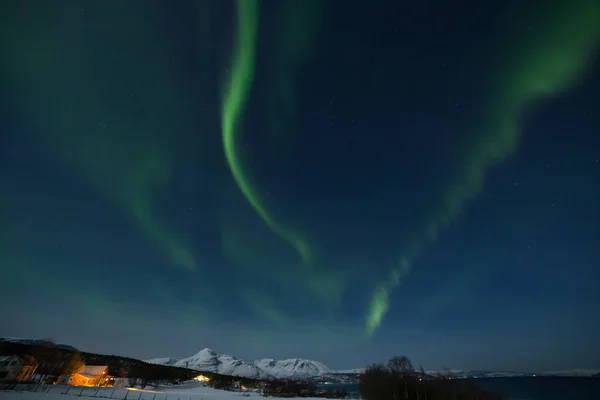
94, 370
209, 360
573, 372
190, 391
292, 368
459, 373
265, 368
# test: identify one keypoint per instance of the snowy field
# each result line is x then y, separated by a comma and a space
192, 391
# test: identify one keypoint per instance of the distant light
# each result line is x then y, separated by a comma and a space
534, 375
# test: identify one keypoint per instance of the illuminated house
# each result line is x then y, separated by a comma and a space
17, 368
202, 378
90, 375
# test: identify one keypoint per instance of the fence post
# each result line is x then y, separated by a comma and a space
154, 397
126, 394
113, 392
67, 391
140, 396
80, 393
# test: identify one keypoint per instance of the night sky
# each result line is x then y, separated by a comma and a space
333, 180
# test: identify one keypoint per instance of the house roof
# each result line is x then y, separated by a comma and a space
94, 370
88, 376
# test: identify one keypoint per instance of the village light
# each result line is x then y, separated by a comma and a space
202, 378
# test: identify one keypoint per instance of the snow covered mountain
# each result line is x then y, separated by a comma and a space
209, 360
512, 374
265, 368
481, 374
296, 368
573, 372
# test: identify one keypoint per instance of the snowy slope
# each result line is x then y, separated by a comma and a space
265, 368
209, 360
487, 374
183, 392
573, 372
296, 368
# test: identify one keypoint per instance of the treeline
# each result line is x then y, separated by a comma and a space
299, 388
232, 383
399, 381
283, 388
54, 361
273, 388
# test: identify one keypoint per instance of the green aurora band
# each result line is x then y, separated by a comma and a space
235, 98
93, 128
73, 95
548, 62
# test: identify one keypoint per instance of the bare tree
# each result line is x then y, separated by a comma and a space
134, 381
74, 365
400, 365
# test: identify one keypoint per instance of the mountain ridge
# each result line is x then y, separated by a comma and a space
209, 360
299, 368
38, 342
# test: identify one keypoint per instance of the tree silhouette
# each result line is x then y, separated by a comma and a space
74, 365
400, 365
398, 382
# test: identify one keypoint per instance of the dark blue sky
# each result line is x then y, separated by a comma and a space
416, 179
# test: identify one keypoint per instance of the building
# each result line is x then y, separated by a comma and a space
90, 375
202, 378
17, 368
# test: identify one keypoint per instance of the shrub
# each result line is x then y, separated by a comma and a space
400, 382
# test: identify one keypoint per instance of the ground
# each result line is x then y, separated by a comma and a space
186, 392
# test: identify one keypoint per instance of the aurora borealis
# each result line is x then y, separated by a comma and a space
304, 178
